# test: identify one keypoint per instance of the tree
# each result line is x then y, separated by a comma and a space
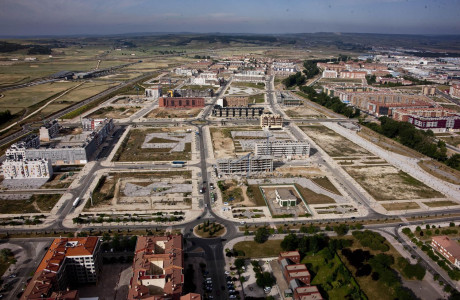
239, 263
290, 242
261, 235
341, 230
265, 279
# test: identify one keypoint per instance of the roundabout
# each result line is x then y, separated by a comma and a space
209, 230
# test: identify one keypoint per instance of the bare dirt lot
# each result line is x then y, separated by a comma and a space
303, 111
334, 144
114, 112
401, 206
388, 183
165, 113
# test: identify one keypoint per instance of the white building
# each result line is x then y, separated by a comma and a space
330, 74
285, 149
153, 93
285, 197
27, 169
49, 131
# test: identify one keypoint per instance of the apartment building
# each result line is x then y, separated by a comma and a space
263, 163
180, 102
329, 74
284, 149
454, 90
271, 121
157, 268
27, 169
287, 99
353, 74
237, 112
68, 263
49, 131
448, 248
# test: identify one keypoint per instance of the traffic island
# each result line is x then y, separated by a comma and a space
209, 230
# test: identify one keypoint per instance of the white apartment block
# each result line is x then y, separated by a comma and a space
262, 163
284, 149
27, 169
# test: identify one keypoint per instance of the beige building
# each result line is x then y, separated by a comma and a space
271, 121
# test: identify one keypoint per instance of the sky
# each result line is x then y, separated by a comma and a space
70, 17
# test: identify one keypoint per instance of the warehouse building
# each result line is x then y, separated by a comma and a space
284, 149
263, 163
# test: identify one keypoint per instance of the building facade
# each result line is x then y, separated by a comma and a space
448, 248
240, 112
153, 93
284, 149
271, 121
180, 102
263, 163
49, 131
454, 90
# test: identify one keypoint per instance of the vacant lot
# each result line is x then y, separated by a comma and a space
401, 206
326, 183
303, 111
387, 183
114, 112
251, 249
259, 98
167, 113
333, 143
313, 198
440, 203
259, 85
131, 148
36, 204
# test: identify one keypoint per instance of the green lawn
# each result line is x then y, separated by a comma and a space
270, 248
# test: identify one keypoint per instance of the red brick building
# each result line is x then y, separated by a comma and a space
448, 248
157, 268
180, 102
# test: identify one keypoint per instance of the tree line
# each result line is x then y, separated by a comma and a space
419, 140
333, 103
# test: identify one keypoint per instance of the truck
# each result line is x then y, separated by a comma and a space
178, 162
76, 202
177, 166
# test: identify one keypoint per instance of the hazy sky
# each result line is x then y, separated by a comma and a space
50, 17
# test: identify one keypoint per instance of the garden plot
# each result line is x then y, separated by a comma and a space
333, 143
388, 183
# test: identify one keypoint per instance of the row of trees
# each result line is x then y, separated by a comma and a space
311, 70
419, 140
5, 116
296, 79
332, 103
